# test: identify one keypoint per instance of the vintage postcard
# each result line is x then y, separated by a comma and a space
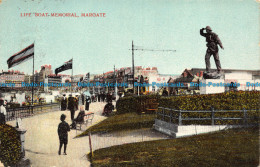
129, 83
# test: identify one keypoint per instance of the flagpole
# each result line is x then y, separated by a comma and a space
33, 82
71, 74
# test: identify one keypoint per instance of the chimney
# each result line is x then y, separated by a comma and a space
201, 73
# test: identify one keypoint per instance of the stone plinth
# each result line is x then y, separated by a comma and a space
212, 86
165, 127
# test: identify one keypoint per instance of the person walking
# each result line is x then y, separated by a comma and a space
213, 41
63, 103
82, 98
88, 101
71, 106
102, 97
63, 130
98, 97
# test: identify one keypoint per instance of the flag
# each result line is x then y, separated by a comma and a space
66, 66
21, 56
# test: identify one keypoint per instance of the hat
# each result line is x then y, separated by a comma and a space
208, 28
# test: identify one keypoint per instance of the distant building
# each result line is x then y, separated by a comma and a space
195, 75
14, 77
44, 72
52, 80
122, 76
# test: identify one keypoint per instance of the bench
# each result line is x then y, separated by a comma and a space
88, 117
152, 108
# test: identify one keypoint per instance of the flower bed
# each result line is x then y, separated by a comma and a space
10, 145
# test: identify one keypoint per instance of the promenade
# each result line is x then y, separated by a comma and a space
42, 143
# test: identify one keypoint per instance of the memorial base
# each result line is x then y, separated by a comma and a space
212, 86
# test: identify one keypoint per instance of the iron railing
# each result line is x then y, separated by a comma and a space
176, 116
27, 111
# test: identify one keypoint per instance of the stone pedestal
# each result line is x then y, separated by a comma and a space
212, 86
213, 75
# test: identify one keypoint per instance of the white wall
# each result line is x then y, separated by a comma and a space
238, 75
210, 89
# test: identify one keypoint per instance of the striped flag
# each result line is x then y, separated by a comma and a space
66, 66
21, 56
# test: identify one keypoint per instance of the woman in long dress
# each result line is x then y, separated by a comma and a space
88, 101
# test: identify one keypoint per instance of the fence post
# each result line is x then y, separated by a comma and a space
180, 119
212, 116
170, 115
163, 114
245, 117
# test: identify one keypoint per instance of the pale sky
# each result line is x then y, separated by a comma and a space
97, 44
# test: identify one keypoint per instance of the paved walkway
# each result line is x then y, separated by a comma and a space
41, 139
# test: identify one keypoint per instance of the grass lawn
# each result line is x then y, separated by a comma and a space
233, 147
120, 122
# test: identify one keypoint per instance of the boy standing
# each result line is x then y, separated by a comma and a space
63, 129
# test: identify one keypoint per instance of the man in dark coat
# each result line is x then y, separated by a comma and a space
82, 98
109, 97
63, 130
98, 97
102, 97
71, 106
213, 41
63, 103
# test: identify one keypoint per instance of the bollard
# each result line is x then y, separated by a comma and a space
22, 132
23, 161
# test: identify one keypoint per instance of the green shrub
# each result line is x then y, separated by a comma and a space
133, 103
249, 101
222, 101
10, 145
